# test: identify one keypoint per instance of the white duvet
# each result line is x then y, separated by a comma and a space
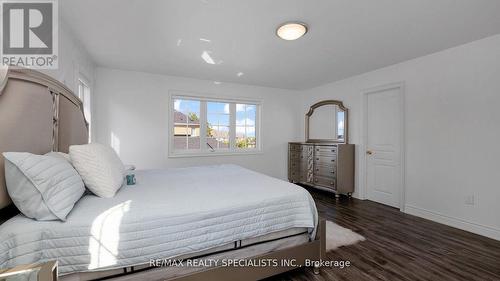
166, 214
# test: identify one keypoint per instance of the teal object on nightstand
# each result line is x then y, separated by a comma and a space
131, 179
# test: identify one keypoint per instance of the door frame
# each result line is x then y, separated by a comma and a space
364, 128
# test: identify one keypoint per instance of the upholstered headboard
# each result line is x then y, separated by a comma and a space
37, 114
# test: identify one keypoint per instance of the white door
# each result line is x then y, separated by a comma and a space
383, 144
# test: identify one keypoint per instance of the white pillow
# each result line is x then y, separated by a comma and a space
60, 155
99, 166
42, 187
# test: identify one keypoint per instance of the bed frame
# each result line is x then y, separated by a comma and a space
313, 251
38, 114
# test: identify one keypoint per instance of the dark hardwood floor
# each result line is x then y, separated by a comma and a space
400, 246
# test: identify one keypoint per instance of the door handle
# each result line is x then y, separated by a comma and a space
369, 152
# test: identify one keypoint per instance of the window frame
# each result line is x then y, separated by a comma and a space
205, 151
82, 80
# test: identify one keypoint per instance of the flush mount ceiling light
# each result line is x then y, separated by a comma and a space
291, 30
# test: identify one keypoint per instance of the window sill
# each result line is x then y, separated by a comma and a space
217, 153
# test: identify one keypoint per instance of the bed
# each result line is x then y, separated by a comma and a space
183, 214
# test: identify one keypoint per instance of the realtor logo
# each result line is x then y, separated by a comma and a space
29, 34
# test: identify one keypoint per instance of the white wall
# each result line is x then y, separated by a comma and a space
74, 61
133, 106
452, 131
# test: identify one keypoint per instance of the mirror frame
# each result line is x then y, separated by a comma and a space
346, 121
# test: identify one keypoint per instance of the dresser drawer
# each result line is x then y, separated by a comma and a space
300, 155
306, 155
300, 147
306, 177
307, 150
301, 176
327, 171
325, 181
294, 174
296, 165
325, 150
294, 154
303, 165
325, 160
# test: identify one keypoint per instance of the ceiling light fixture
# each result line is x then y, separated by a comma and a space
207, 58
291, 30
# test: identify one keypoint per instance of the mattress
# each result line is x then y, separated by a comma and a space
168, 213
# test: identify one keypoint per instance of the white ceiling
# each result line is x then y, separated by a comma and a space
346, 37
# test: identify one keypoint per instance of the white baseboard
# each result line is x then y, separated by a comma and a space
483, 230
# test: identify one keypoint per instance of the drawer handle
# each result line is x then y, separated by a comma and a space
333, 160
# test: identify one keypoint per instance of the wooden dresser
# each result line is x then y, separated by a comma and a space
328, 166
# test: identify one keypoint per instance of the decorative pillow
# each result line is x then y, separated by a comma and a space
60, 155
42, 187
99, 166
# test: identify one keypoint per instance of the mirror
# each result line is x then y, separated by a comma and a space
326, 121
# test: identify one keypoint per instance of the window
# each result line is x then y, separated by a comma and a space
218, 125
187, 124
84, 95
245, 125
208, 126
